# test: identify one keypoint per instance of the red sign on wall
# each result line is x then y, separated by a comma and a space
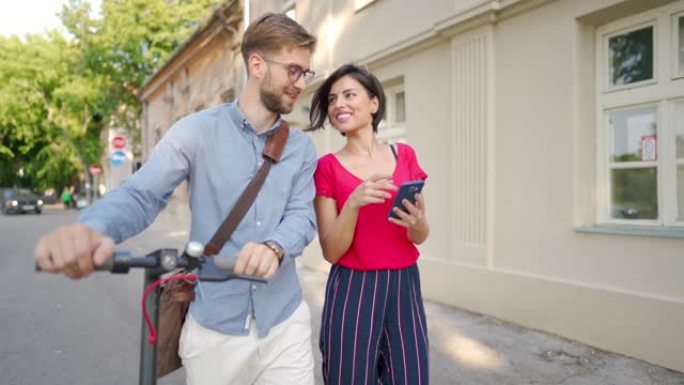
649, 149
119, 142
95, 169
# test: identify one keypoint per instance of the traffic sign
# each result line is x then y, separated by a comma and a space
117, 158
119, 142
95, 169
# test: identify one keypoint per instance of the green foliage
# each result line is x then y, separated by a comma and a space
636, 188
30, 73
627, 158
632, 56
58, 93
129, 43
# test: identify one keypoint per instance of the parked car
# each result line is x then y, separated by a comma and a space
5, 192
50, 197
21, 200
81, 200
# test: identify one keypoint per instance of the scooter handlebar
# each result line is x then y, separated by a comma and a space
120, 259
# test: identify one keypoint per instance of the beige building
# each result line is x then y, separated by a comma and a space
553, 134
206, 71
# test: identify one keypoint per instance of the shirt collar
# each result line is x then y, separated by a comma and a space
239, 120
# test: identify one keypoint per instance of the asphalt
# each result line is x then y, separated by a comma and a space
465, 347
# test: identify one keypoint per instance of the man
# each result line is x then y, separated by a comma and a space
236, 332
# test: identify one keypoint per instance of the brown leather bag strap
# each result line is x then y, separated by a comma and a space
272, 152
276, 142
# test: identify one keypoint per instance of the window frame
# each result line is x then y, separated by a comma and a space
670, 148
611, 165
608, 86
676, 72
662, 92
389, 129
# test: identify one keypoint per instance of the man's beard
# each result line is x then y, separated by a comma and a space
273, 102
272, 99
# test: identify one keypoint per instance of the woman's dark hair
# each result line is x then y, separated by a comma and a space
319, 103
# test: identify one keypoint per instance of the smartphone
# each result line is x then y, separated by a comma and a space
408, 191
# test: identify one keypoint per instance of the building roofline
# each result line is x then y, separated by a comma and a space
219, 19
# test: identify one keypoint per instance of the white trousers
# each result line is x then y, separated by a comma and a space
284, 357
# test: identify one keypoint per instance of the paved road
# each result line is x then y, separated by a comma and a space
58, 332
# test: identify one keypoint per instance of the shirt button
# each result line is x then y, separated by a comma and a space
258, 223
260, 163
253, 287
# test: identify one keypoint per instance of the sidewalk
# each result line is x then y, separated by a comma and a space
468, 348
473, 349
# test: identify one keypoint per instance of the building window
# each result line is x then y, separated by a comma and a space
678, 44
641, 120
633, 163
392, 128
631, 57
678, 122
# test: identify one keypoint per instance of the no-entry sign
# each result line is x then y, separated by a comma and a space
119, 142
95, 169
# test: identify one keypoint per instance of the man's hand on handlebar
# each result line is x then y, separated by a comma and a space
74, 250
258, 260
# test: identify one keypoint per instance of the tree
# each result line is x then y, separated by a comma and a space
36, 134
58, 93
129, 43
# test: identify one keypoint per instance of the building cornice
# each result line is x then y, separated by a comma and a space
485, 13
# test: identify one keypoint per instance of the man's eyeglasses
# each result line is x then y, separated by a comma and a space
294, 71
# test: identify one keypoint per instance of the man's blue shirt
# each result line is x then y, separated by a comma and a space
217, 152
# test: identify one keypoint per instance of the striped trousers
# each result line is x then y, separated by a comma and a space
373, 328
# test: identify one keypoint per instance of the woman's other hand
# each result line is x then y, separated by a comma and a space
372, 190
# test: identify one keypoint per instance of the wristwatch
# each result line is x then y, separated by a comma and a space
275, 247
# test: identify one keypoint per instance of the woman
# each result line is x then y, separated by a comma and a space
373, 325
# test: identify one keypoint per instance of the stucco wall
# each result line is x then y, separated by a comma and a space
500, 107
536, 91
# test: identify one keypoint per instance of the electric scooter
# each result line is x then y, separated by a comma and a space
156, 264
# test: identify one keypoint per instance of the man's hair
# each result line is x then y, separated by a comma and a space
272, 32
320, 102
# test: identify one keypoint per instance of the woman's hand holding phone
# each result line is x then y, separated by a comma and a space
372, 190
413, 217
408, 210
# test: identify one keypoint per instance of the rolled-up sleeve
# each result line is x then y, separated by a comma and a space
130, 208
298, 225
